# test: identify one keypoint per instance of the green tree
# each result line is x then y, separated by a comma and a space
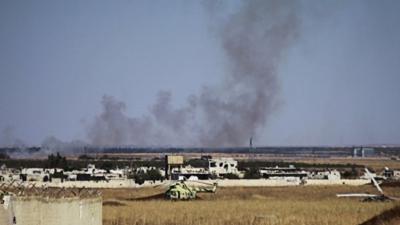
57, 161
4, 156
107, 165
252, 173
153, 174
230, 176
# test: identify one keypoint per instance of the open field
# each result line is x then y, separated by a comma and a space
316, 205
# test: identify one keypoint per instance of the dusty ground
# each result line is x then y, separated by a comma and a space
388, 217
309, 205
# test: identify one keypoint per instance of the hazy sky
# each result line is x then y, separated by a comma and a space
339, 80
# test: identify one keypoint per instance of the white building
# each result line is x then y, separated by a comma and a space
223, 166
333, 175
39, 174
328, 175
396, 174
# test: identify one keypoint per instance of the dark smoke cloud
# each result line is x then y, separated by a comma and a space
16, 148
8, 139
113, 127
166, 115
164, 124
254, 39
52, 145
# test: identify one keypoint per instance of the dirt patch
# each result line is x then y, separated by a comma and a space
391, 183
113, 203
159, 196
388, 217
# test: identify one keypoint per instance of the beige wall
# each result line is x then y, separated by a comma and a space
61, 211
272, 183
4, 216
353, 182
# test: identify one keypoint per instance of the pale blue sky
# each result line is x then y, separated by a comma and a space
340, 81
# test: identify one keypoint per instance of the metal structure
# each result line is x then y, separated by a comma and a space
371, 197
172, 161
181, 191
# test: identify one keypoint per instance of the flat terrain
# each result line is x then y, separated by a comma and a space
302, 205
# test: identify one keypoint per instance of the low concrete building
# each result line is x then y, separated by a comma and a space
222, 166
33, 174
190, 173
396, 174
325, 175
283, 172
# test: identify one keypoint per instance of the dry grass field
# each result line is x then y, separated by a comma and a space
310, 205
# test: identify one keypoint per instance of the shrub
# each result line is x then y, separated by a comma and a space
153, 174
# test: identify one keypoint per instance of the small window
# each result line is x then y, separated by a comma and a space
212, 164
221, 164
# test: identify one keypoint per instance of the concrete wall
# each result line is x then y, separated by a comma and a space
50, 211
355, 182
88, 184
93, 184
246, 183
256, 183
5, 217
274, 183
222, 183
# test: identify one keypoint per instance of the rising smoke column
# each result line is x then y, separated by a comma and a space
114, 127
8, 139
254, 40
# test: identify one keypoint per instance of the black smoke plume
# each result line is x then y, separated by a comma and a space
254, 39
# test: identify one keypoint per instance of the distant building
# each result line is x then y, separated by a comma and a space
190, 173
396, 174
388, 173
363, 152
282, 172
326, 175
35, 174
223, 166
171, 162
391, 174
